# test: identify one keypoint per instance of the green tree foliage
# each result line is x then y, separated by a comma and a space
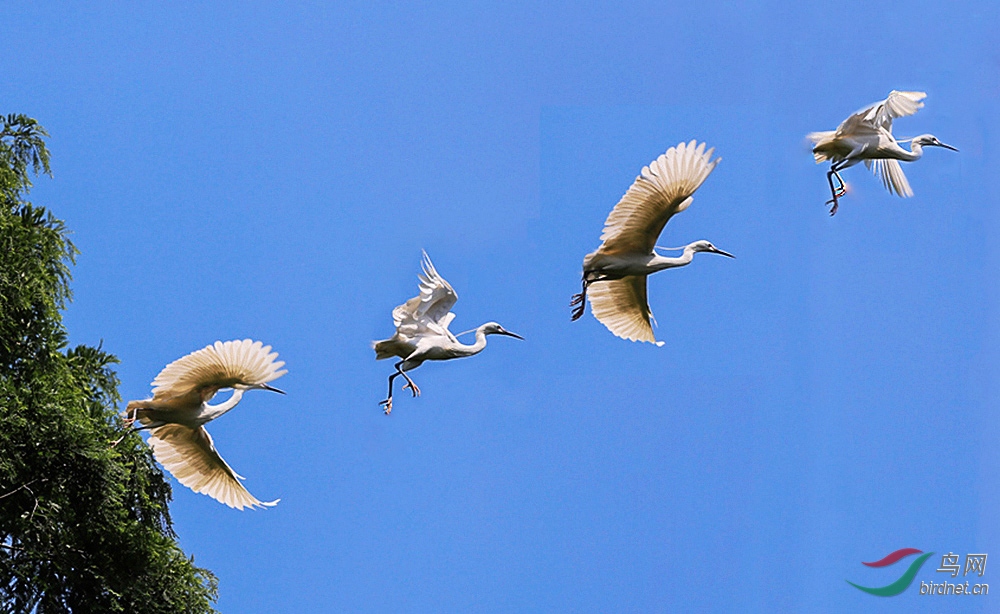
84, 527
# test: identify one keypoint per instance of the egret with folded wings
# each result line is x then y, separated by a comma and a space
614, 276
422, 330
867, 136
179, 409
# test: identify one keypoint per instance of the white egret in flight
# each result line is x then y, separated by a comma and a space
614, 276
422, 330
867, 135
179, 409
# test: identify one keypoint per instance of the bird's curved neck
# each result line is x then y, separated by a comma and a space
475, 348
916, 150
214, 411
658, 263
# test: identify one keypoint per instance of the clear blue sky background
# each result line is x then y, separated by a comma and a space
272, 171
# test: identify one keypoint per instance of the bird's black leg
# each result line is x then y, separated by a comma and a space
829, 180
409, 384
388, 402
835, 192
579, 302
841, 191
836, 168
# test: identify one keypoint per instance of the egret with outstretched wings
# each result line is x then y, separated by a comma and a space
179, 409
614, 276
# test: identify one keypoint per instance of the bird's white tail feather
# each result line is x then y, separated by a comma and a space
382, 349
819, 139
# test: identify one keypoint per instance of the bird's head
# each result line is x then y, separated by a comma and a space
705, 246
492, 328
929, 140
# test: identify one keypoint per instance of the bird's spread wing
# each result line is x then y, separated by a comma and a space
663, 189
431, 309
892, 176
219, 366
437, 297
406, 313
881, 114
621, 306
190, 456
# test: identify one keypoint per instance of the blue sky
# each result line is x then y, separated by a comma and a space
271, 171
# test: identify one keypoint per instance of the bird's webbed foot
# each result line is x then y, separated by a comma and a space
836, 204
386, 405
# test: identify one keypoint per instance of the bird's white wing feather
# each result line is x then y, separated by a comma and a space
190, 456
898, 104
219, 365
663, 189
621, 306
406, 312
881, 114
430, 311
437, 297
892, 176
